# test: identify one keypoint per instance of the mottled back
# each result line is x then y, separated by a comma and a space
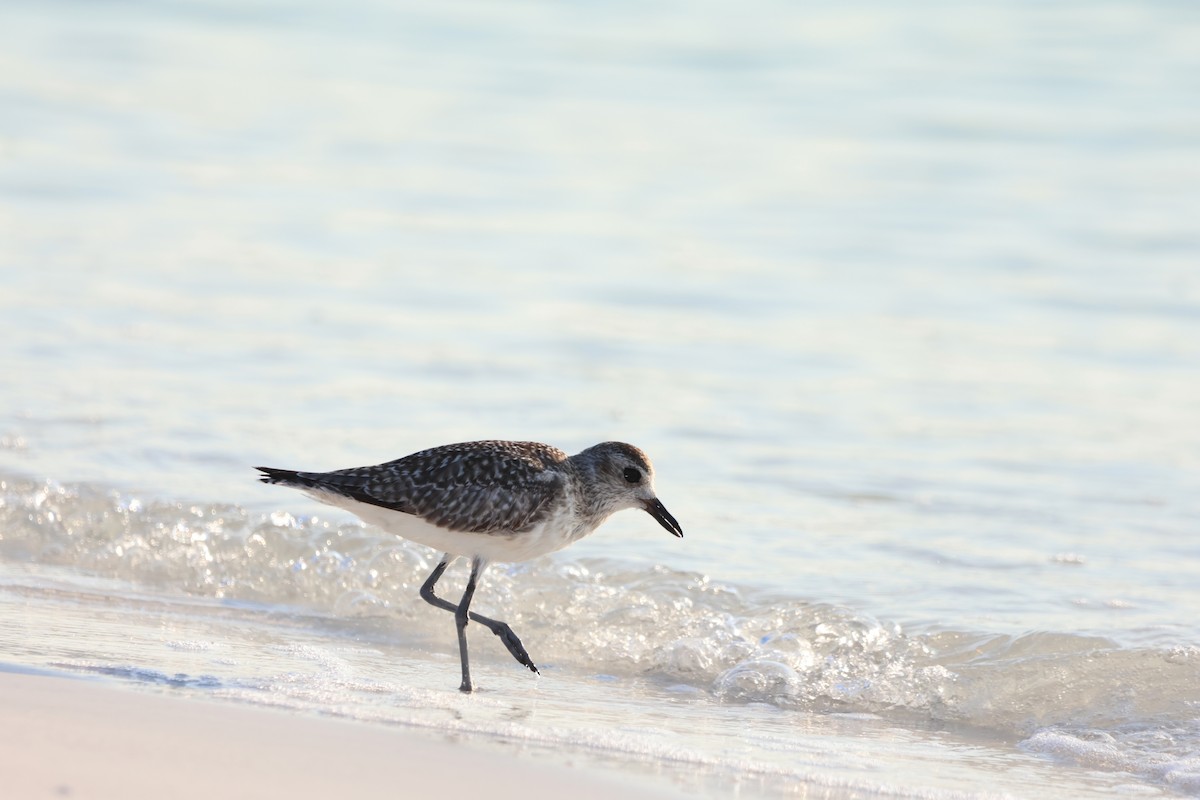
499, 487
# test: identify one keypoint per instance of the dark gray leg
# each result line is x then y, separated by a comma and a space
460, 620
427, 588
501, 629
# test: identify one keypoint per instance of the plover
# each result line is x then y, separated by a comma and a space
489, 501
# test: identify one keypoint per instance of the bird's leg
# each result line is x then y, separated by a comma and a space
501, 629
461, 615
509, 638
427, 588
460, 611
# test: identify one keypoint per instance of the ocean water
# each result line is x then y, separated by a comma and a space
903, 301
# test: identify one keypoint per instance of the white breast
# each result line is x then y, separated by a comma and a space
560, 528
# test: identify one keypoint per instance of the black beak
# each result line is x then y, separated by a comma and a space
656, 509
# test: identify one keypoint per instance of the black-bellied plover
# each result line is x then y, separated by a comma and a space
489, 501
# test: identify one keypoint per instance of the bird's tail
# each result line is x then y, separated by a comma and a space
330, 487
287, 477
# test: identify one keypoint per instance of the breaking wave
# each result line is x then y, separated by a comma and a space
1080, 699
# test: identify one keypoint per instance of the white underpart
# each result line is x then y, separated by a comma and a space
560, 528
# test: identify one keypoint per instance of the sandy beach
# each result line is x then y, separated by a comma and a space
64, 737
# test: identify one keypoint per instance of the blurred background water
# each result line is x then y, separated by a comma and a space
902, 300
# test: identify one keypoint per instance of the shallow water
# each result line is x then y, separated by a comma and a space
672, 675
902, 302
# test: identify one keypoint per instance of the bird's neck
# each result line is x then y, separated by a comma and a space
595, 506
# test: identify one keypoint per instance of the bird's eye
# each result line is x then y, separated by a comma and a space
632, 475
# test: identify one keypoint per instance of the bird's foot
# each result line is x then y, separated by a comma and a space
512, 642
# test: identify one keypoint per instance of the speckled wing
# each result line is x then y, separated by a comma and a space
480, 487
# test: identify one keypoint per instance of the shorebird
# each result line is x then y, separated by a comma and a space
489, 501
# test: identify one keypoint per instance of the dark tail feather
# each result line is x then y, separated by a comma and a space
346, 485
285, 477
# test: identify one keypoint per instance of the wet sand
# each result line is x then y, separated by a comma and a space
64, 737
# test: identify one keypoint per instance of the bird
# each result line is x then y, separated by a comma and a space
489, 501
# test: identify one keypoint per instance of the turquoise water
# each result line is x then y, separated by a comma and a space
903, 302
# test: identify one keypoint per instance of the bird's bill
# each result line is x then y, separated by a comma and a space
656, 509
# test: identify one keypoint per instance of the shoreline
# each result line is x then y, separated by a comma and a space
69, 737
